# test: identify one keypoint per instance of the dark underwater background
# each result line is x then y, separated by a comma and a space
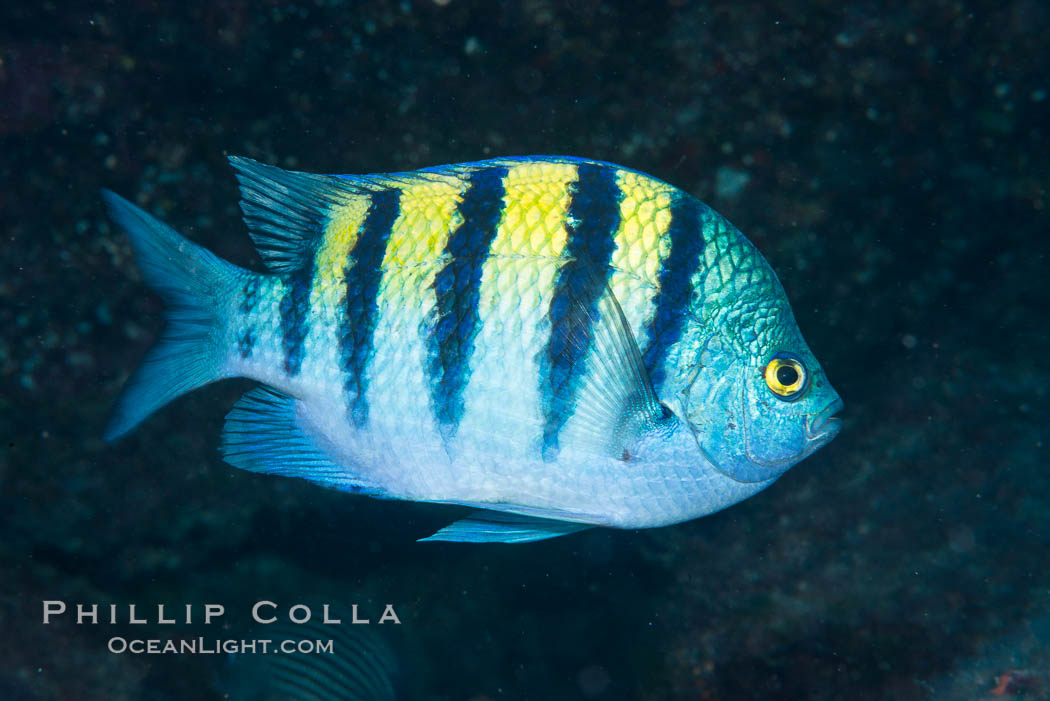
889, 159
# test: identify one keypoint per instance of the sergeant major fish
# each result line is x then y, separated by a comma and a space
360, 665
559, 342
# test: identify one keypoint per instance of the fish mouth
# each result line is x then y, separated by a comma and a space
824, 425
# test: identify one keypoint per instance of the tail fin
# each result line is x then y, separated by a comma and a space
194, 283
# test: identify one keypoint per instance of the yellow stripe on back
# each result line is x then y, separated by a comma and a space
517, 285
328, 291
330, 259
537, 199
429, 213
642, 245
517, 280
406, 299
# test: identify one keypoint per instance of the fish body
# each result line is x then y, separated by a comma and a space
358, 665
563, 343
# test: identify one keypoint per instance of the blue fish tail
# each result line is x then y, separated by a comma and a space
194, 284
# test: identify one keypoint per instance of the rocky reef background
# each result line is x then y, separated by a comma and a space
889, 159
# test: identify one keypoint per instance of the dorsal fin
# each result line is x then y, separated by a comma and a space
287, 211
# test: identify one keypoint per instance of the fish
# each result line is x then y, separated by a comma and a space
339, 663
557, 343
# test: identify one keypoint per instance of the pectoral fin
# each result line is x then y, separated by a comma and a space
616, 403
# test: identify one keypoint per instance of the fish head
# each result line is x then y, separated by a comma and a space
756, 399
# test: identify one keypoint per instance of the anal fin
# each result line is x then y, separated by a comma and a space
263, 433
502, 527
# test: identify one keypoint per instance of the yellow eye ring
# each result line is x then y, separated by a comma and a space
786, 376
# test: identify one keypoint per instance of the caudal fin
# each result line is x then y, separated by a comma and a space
194, 284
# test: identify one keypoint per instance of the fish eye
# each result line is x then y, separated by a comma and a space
786, 376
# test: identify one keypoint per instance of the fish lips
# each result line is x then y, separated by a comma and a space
822, 426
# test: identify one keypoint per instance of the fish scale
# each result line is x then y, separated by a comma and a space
591, 223
674, 284
568, 342
363, 276
457, 287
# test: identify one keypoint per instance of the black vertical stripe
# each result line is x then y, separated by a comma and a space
593, 218
249, 300
295, 315
363, 273
455, 323
675, 294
